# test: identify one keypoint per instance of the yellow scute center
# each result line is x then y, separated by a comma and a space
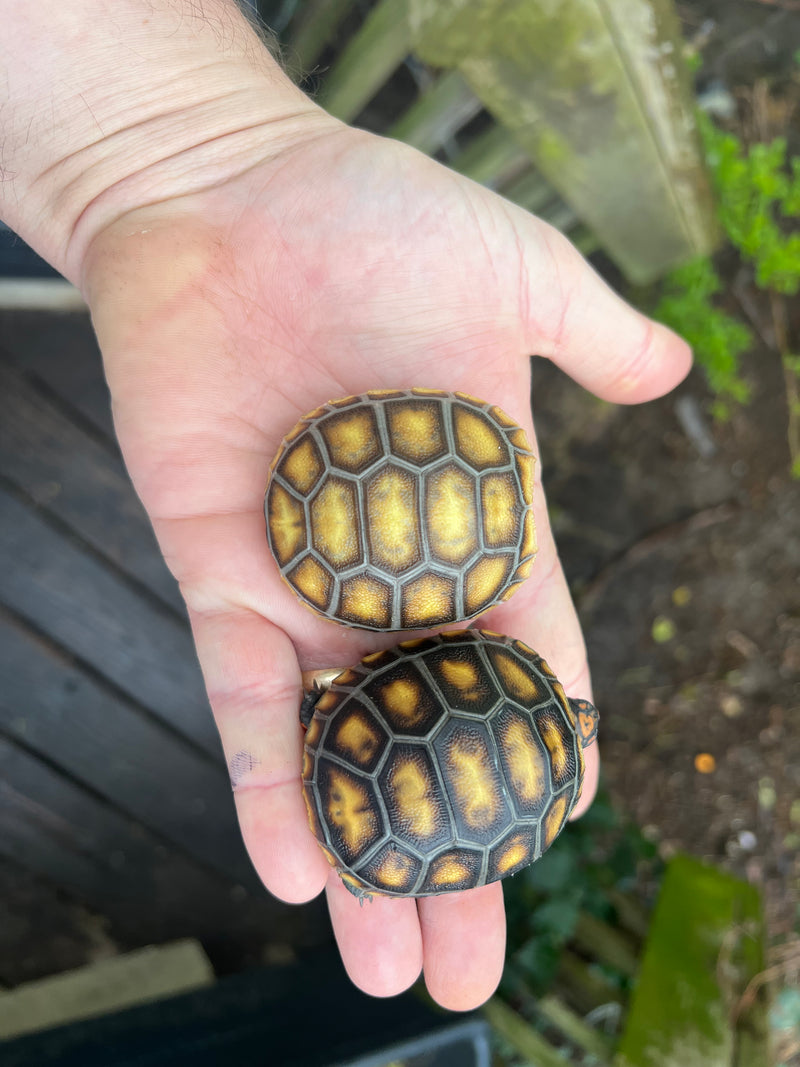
477, 441
520, 684
500, 508
402, 699
525, 762
450, 872
358, 738
552, 737
348, 809
394, 871
515, 852
451, 515
392, 519
469, 767
413, 798
351, 439
286, 523
554, 821
334, 518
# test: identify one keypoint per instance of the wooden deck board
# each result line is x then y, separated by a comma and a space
148, 891
114, 796
68, 593
49, 704
80, 480
60, 350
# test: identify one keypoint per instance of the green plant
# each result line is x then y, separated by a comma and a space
758, 194
596, 855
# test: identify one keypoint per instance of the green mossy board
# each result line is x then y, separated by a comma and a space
380, 45
705, 945
597, 94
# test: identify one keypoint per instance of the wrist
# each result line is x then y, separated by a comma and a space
118, 104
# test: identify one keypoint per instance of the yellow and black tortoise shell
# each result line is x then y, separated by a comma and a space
442, 764
403, 509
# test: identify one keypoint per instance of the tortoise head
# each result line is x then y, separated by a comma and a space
586, 718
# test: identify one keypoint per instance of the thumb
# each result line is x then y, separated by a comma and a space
575, 319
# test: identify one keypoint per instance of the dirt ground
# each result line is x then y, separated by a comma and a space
681, 540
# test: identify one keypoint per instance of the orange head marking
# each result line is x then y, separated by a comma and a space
586, 718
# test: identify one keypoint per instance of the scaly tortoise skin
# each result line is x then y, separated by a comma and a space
442, 764
402, 509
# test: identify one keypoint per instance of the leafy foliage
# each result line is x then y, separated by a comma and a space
599, 852
758, 193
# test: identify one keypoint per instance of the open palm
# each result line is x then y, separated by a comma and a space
346, 263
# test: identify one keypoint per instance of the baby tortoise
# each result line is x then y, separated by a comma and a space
442, 764
403, 509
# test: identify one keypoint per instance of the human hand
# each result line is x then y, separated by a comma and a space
345, 264
247, 258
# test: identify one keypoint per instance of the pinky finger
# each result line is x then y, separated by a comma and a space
253, 681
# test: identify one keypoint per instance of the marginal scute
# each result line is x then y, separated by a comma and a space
391, 869
554, 821
313, 581
352, 439
514, 853
427, 601
528, 546
287, 524
366, 600
525, 465
302, 465
485, 583
458, 868
519, 681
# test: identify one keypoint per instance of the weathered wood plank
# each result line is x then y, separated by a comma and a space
437, 114
148, 891
155, 972
597, 95
584, 986
492, 158
102, 740
69, 595
61, 350
70, 473
705, 945
554, 1011
380, 45
523, 1038
605, 944
41, 931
